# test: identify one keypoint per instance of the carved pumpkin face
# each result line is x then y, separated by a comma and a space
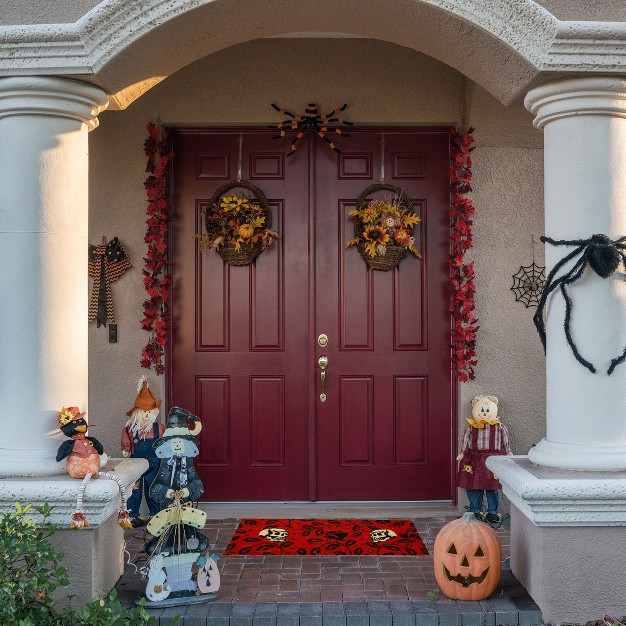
468, 559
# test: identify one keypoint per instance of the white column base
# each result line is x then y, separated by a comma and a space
579, 456
568, 537
556, 497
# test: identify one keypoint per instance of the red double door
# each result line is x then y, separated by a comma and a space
244, 344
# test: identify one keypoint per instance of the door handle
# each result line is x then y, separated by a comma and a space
322, 363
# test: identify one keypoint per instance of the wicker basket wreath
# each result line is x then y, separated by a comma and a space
383, 228
238, 226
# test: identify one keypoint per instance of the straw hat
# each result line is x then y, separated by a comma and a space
144, 400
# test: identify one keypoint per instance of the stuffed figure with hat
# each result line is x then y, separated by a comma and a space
83, 460
179, 570
176, 449
485, 436
138, 438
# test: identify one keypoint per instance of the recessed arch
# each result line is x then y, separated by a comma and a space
128, 46
499, 47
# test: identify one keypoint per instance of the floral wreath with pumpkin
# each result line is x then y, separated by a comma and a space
383, 228
238, 227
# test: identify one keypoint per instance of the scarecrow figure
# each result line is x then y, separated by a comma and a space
83, 461
138, 437
485, 436
176, 448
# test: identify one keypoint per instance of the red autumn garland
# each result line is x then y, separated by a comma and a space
156, 276
464, 324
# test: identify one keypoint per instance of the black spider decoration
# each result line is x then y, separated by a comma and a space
311, 121
604, 256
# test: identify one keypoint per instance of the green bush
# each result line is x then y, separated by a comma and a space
30, 572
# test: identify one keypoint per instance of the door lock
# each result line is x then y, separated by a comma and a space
322, 363
322, 340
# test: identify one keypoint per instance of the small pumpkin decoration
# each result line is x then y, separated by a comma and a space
468, 559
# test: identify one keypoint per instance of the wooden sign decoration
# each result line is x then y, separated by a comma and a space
179, 571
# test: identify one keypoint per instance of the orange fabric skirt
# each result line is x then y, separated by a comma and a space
80, 466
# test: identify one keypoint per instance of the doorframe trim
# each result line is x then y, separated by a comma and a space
168, 384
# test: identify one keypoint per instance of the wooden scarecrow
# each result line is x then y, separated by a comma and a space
83, 461
484, 436
138, 437
176, 449
179, 571
107, 263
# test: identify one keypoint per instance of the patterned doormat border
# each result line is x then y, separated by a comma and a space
322, 537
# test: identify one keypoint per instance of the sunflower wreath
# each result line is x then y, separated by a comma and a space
383, 229
238, 226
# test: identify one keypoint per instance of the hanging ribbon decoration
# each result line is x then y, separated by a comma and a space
107, 263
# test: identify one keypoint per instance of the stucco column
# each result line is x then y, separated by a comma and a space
44, 123
584, 124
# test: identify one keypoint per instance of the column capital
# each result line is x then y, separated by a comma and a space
572, 97
52, 96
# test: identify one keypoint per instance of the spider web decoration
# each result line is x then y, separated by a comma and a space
528, 284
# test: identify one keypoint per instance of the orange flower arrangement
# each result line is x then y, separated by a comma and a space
236, 222
384, 226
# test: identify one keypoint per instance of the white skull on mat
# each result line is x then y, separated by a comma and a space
382, 534
274, 534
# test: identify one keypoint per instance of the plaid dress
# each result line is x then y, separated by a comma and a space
477, 445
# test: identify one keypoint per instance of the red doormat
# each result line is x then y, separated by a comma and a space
325, 537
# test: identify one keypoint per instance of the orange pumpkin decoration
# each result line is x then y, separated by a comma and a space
246, 231
468, 559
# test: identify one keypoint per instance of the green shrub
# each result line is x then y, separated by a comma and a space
30, 572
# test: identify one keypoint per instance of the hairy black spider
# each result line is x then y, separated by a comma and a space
604, 256
311, 121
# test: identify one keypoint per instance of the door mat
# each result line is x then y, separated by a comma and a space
315, 537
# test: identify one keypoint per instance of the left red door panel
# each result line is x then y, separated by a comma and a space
239, 334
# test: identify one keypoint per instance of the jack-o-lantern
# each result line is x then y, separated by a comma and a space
468, 559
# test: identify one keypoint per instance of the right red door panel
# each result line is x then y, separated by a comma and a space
385, 429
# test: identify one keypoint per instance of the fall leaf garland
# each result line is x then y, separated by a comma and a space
157, 278
464, 323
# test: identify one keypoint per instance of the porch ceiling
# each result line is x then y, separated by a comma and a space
128, 46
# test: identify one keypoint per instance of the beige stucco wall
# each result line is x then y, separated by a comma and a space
600, 10
508, 196
382, 83
43, 12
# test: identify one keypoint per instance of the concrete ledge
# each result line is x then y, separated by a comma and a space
575, 574
93, 556
554, 497
101, 500
568, 541
94, 559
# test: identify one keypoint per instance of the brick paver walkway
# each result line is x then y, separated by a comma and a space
336, 590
